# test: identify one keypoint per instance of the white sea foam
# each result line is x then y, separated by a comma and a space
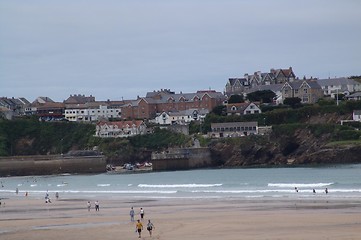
243, 191
193, 185
103, 185
299, 185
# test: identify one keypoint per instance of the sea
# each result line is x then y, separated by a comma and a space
342, 181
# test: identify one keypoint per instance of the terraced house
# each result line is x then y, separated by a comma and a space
167, 101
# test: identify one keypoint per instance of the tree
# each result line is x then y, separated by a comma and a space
264, 96
293, 102
220, 110
236, 99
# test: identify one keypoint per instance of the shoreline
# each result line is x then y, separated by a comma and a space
31, 218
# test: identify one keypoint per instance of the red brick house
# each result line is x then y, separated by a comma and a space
167, 101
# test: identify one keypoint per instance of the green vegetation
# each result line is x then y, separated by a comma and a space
236, 99
264, 96
344, 143
159, 140
31, 137
293, 102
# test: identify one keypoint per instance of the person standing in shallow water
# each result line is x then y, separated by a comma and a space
89, 206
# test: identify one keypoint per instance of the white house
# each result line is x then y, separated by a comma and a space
355, 96
91, 112
342, 85
356, 115
120, 129
243, 108
181, 117
233, 129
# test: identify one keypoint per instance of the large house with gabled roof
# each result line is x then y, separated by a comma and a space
249, 81
309, 91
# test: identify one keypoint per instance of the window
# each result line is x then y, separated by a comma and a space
305, 90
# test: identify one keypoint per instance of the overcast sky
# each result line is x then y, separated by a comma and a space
116, 49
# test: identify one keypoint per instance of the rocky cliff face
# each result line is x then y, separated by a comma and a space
300, 148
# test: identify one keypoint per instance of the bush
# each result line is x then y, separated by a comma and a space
346, 135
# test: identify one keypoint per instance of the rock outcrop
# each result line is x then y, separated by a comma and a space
298, 149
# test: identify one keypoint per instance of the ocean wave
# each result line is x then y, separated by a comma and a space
103, 185
242, 191
299, 185
193, 185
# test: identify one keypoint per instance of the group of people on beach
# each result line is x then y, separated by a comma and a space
139, 224
96, 204
313, 190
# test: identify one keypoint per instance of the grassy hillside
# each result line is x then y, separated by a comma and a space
31, 137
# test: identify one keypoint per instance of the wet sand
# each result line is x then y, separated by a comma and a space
210, 219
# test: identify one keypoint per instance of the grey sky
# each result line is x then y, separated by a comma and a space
124, 48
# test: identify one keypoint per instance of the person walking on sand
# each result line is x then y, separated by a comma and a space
141, 213
96, 206
150, 227
89, 205
139, 228
131, 213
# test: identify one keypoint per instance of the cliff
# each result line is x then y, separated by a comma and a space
301, 147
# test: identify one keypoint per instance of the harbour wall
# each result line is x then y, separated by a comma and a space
51, 164
181, 159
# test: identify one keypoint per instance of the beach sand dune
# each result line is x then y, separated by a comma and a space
32, 219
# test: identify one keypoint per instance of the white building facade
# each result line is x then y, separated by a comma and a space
181, 117
83, 113
120, 129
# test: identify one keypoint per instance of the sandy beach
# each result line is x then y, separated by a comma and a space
27, 218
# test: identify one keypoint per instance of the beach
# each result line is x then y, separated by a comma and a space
179, 219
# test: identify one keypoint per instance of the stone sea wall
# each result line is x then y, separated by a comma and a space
51, 164
181, 159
